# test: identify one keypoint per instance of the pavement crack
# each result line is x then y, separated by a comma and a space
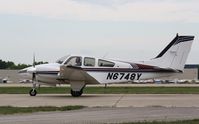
120, 98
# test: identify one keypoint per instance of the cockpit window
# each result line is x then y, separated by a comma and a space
89, 61
62, 59
104, 63
74, 61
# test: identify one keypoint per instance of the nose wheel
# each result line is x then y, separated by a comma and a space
33, 92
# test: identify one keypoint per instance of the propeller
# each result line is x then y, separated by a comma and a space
33, 91
34, 73
33, 60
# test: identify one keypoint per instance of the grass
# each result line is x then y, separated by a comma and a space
4, 110
143, 90
195, 121
108, 90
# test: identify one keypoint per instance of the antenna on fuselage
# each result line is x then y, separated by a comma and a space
105, 55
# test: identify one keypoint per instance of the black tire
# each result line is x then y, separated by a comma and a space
76, 93
33, 92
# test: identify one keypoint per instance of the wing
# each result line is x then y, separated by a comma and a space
73, 73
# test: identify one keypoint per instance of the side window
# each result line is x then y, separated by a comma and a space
104, 63
74, 61
89, 61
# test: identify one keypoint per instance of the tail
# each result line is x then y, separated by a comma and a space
175, 54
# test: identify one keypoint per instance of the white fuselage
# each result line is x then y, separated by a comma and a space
81, 70
120, 72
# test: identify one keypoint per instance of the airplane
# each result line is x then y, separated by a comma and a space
80, 70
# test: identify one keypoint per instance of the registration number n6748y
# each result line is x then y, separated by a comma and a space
123, 76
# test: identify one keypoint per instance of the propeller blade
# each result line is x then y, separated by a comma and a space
33, 77
34, 60
33, 64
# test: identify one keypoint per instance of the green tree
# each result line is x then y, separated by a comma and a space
2, 64
40, 62
12, 65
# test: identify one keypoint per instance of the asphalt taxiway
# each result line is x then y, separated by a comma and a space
101, 100
103, 108
104, 115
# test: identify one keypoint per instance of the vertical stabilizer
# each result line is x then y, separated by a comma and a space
175, 54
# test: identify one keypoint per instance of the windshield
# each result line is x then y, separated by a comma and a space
62, 59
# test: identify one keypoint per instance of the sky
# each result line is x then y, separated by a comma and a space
129, 30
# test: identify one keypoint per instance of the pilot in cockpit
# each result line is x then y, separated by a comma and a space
78, 61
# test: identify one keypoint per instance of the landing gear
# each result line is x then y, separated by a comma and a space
76, 93
33, 92
77, 88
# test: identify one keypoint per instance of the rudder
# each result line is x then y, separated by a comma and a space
175, 54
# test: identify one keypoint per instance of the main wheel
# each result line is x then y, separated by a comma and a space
76, 93
33, 92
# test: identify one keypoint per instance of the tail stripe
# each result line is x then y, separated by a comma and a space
184, 39
167, 47
175, 41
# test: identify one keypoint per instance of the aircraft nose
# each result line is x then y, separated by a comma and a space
23, 71
47, 68
28, 70
31, 70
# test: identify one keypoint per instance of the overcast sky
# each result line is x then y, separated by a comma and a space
119, 29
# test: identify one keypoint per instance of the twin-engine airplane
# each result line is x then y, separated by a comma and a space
78, 71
